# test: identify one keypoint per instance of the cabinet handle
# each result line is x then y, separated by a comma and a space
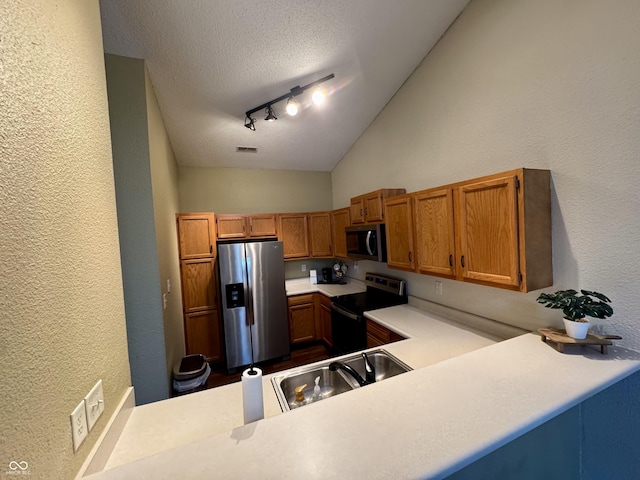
365, 211
462, 261
410, 256
451, 260
361, 213
242, 228
210, 248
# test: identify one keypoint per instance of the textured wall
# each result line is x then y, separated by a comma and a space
164, 179
234, 190
539, 84
138, 248
62, 321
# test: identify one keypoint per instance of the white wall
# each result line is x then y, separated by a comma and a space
533, 83
62, 323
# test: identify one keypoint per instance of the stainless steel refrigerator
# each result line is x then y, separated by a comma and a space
254, 302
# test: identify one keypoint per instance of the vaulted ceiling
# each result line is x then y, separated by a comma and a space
210, 61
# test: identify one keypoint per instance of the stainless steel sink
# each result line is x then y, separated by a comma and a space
331, 382
385, 364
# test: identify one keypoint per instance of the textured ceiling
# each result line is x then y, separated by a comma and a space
212, 60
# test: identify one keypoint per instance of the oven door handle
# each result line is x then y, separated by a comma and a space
347, 314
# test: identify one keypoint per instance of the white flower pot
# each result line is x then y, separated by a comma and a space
577, 330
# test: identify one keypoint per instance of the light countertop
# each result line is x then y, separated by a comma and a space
300, 286
425, 410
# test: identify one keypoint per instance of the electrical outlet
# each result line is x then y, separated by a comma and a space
94, 404
438, 287
168, 285
79, 428
164, 301
304, 267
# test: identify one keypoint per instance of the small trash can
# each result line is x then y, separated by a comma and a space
191, 373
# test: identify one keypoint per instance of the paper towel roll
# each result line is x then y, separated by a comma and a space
252, 404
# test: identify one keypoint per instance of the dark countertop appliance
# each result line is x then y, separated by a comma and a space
348, 324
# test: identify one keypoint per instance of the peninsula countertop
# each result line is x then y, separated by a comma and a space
200, 435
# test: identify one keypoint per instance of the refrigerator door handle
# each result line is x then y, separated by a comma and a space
249, 291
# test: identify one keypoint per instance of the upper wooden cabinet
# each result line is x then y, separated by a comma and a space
293, 232
263, 225
196, 235
246, 226
231, 226
399, 223
340, 219
488, 231
493, 230
434, 231
368, 208
320, 237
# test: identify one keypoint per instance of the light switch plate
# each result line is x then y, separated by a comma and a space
79, 430
94, 404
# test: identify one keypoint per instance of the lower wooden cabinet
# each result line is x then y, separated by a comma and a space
323, 309
378, 335
203, 334
310, 318
302, 319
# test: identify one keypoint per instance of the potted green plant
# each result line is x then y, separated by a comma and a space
576, 307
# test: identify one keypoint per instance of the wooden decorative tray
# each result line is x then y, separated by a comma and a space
561, 339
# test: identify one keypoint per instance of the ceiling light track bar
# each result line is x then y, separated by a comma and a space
295, 91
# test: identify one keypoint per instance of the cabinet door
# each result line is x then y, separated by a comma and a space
302, 322
324, 310
262, 226
373, 210
196, 235
399, 233
340, 220
198, 284
231, 226
434, 226
202, 334
357, 210
320, 234
293, 233
488, 231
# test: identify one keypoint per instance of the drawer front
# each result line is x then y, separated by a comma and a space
300, 299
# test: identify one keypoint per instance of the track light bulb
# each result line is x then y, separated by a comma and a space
292, 107
318, 97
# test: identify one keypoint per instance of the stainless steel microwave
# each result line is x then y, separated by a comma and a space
367, 242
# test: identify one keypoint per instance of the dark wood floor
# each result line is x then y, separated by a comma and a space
299, 356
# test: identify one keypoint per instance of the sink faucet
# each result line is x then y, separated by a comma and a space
370, 373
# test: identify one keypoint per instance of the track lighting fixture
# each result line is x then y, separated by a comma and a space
249, 123
270, 115
292, 105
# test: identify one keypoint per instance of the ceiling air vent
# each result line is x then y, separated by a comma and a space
247, 149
